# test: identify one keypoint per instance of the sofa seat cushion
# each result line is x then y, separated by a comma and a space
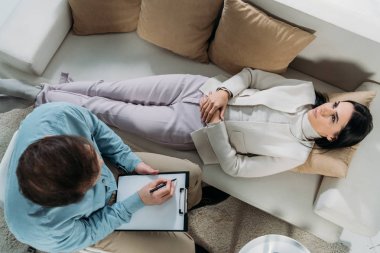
99, 16
247, 37
181, 26
30, 36
151, 60
128, 57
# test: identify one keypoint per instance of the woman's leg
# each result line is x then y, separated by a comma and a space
169, 125
152, 90
163, 109
19, 89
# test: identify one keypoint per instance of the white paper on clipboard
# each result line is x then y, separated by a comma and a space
169, 216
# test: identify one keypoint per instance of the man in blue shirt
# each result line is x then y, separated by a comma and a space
59, 191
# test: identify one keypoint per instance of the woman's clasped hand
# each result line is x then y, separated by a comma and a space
213, 106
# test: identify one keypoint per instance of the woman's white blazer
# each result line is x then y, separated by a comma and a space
255, 149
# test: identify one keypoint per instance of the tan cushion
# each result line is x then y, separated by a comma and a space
181, 26
247, 37
334, 163
100, 16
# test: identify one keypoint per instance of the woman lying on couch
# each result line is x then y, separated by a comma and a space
253, 124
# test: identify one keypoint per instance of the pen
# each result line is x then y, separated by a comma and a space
160, 186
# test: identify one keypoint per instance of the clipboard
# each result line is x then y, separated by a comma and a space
169, 216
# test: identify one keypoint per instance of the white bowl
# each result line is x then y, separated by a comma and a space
274, 244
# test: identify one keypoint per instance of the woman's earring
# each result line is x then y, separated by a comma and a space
330, 139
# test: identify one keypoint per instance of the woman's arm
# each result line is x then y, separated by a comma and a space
256, 79
241, 165
232, 87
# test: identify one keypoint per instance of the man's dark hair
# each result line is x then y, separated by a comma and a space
57, 170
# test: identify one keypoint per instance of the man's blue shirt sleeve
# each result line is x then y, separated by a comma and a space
109, 144
86, 231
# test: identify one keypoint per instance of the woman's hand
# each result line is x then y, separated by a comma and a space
210, 104
159, 196
143, 168
216, 118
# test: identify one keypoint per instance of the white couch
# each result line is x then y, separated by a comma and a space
36, 43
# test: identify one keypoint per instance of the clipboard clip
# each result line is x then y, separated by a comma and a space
182, 201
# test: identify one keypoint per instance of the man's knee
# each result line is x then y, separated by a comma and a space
195, 171
159, 242
168, 163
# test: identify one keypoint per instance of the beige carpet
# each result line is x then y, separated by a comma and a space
229, 225
223, 228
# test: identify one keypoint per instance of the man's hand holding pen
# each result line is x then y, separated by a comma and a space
158, 196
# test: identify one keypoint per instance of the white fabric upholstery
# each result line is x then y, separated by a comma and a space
4, 168
353, 202
33, 32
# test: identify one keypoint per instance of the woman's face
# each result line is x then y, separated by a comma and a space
329, 119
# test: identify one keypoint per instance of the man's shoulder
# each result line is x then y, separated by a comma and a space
57, 111
52, 119
56, 107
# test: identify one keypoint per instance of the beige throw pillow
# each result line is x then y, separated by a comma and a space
181, 26
99, 16
334, 163
247, 37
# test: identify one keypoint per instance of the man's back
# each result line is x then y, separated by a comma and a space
72, 226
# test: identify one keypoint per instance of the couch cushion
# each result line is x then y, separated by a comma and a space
181, 26
99, 16
247, 37
128, 57
334, 163
33, 32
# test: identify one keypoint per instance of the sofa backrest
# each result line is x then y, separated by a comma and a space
337, 56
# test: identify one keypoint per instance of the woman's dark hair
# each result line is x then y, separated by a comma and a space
357, 128
57, 170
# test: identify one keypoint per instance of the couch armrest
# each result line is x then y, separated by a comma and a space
354, 202
33, 32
